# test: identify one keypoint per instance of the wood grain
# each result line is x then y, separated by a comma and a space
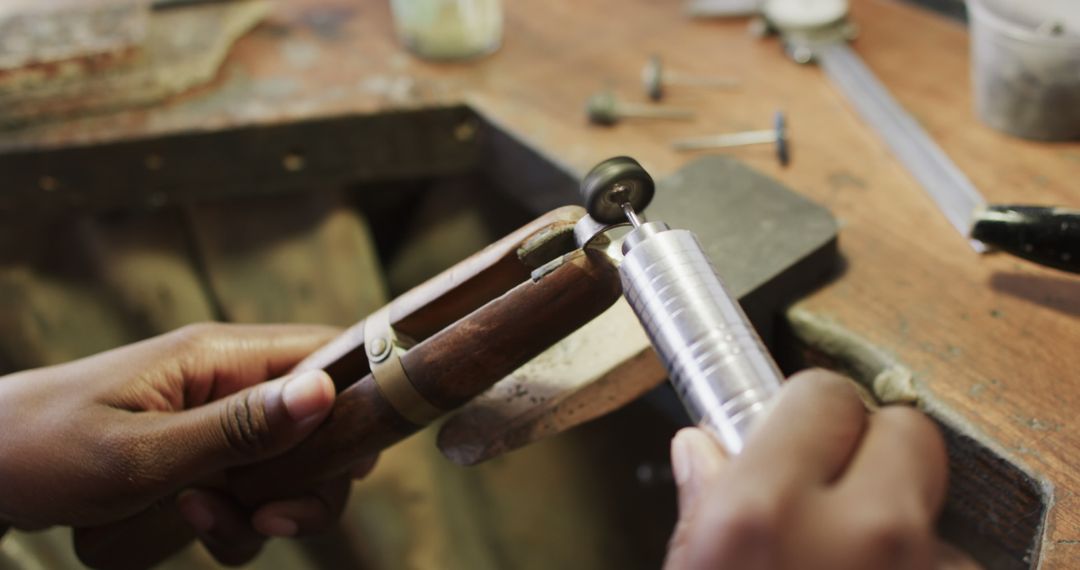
448, 369
990, 338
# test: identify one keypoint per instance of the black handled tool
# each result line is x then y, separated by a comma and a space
1047, 235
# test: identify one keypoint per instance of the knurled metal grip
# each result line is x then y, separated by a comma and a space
384, 358
716, 362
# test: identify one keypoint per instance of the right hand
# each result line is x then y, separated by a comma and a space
820, 484
105, 443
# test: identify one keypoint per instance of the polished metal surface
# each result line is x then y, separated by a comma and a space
947, 185
716, 361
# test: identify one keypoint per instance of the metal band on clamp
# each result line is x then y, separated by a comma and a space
384, 358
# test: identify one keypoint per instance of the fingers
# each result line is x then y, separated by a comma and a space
811, 433
819, 484
893, 490
139, 541
306, 515
948, 557
314, 512
363, 467
218, 359
902, 458
251, 425
221, 526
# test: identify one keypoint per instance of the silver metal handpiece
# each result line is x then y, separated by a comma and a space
716, 361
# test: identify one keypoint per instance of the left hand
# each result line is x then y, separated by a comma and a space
96, 441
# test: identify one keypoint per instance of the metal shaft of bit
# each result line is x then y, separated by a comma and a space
767, 136
651, 112
673, 78
631, 215
776, 136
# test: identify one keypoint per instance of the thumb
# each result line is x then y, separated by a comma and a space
696, 461
248, 426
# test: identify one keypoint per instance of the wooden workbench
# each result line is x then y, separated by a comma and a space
994, 340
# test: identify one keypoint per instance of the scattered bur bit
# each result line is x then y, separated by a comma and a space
654, 77
777, 136
603, 108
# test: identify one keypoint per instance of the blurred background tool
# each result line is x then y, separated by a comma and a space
449, 30
817, 30
1050, 236
654, 77
777, 136
717, 363
107, 55
1025, 66
604, 108
721, 8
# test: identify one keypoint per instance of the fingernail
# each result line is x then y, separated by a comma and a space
195, 512
681, 462
694, 459
682, 466
307, 394
278, 526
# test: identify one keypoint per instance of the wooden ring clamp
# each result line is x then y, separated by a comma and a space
473, 324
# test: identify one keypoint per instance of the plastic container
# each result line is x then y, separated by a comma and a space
449, 30
1025, 58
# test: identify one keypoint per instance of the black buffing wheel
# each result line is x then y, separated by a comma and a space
611, 184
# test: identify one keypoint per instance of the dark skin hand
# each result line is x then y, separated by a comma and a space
93, 442
820, 484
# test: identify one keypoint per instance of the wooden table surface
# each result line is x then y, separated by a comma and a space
993, 339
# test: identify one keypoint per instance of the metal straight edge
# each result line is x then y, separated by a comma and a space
950, 188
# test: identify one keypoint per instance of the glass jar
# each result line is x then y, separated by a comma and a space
448, 30
1025, 59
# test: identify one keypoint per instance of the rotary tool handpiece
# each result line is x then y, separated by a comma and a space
715, 360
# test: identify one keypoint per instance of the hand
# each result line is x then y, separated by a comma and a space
98, 440
820, 484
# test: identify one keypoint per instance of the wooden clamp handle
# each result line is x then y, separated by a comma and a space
476, 323
440, 301
474, 330
448, 369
